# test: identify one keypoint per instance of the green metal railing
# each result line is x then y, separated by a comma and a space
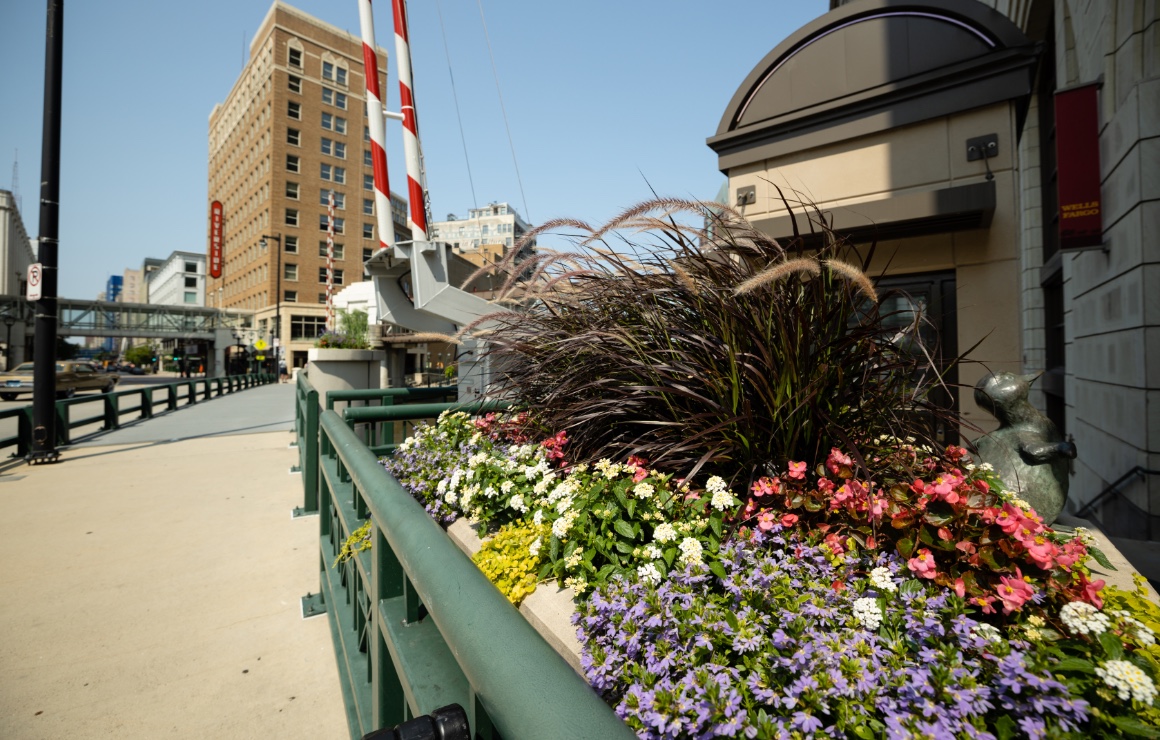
140, 403
416, 625
306, 410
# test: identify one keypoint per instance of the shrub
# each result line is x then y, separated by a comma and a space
713, 350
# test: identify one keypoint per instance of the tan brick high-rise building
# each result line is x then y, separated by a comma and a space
292, 129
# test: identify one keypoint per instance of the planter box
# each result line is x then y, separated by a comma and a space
343, 369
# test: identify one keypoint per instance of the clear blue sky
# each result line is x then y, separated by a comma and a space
601, 96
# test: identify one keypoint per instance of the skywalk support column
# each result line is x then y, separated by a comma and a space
44, 352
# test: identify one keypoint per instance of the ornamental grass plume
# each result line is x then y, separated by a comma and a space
710, 349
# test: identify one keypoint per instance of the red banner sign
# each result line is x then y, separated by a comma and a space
215, 239
1077, 153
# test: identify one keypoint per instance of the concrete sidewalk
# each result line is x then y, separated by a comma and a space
152, 589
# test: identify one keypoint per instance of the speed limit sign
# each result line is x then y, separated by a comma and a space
35, 279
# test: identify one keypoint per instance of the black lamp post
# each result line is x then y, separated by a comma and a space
277, 333
9, 321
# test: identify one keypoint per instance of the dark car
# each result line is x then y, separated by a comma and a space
70, 377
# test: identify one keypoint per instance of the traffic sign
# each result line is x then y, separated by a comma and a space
260, 358
35, 281
261, 344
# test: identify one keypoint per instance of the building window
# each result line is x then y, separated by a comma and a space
368, 207
339, 199
331, 122
289, 271
291, 163
191, 267
333, 73
307, 327
338, 250
322, 276
191, 282
291, 244
367, 253
367, 158
190, 297
291, 216
368, 182
338, 223
334, 97
333, 148
322, 298
366, 135
294, 83
293, 136
368, 231
292, 190
294, 57
290, 296
294, 110
333, 174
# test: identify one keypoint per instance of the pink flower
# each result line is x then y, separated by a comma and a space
639, 475
1041, 551
960, 588
877, 506
984, 603
825, 485
1091, 592
836, 461
835, 543
1014, 592
1072, 552
788, 520
797, 470
765, 520
766, 487
923, 565
1009, 519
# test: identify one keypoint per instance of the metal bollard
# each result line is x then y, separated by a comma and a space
445, 723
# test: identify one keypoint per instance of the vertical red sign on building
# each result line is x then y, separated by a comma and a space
215, 239
1077, 153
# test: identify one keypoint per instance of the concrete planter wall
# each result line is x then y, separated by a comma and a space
344, 369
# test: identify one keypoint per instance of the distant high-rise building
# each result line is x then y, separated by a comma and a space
486, 235
180, 281
292, 130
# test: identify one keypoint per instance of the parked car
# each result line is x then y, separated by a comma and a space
70, 378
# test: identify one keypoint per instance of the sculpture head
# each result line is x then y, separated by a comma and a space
997, 393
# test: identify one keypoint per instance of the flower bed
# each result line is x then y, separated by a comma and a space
798, 559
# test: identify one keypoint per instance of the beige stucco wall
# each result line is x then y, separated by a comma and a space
923, 157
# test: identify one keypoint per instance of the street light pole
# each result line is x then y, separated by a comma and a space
277, 299
9, 320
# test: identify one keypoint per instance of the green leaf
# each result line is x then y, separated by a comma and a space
605, 571
670, 555
1076, 665
906, 547
1133, 726
554, 549
1005, 727
864, 732
621, 498
624, 529
715, 525
630, 507
717, 569
731, 618
1100, 557
912, 586
624, 547
1112, 645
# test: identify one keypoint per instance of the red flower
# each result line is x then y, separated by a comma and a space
1041, 551
797, 470
1091, 591
960, 588
837, 461
766, 487
835, 543
765, 520
788, 520
1009, 519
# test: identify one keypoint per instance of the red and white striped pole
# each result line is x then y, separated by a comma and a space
378, 127
330, 262
415, 189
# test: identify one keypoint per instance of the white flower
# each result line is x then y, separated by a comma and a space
455, 478
538, 518
987, 467
643, 490
1128, 681
506, 487
866, 611
577, 584
664, 533
441, 487
477, 459
518, 504
1142, 633
531, 471
563, 505
534, 548
541, 487
652, 552
574, 559
987, 632
490, 492
1085, 535
690, 550
881, 580
716, 484
561, 526
649, 574
450, 497
721, 500
1082, 618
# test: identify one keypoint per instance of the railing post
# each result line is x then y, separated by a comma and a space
62, 430
112, 412
207, 395
172, 400
191, 393
24, 431
308, 455
146, 403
